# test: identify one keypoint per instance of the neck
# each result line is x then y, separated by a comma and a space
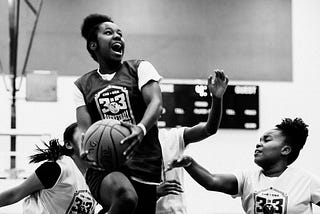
109, 67
80, 164
276, 170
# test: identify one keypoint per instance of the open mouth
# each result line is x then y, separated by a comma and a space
117, 48
256, 152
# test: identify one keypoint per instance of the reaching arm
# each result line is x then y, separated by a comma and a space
217, 88
226, 183
152, 97
15, 194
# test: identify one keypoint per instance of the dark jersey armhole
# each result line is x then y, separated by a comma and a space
48, 173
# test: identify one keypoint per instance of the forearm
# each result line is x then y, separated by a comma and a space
152, 113
8, 197
200, 174
214, 117
202, 131
226, 183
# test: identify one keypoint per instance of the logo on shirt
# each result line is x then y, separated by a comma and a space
270, 201
82, 203
113, 103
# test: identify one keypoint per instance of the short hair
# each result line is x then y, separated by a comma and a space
296, 133
90, 28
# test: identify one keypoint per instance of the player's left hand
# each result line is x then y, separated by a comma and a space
134, 139
90, 163
183, 161
218, 85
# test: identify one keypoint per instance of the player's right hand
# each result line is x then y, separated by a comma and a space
133, 140
169, 187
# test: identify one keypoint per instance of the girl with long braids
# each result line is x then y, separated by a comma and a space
57, 185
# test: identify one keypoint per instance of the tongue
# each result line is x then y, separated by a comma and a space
116, 49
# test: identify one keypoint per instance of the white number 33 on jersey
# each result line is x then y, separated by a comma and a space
82, 203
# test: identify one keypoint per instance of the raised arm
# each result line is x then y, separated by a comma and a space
217, 88
152, 97
30, 185
151, 94
226, 183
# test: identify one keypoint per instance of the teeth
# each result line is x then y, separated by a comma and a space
117, 45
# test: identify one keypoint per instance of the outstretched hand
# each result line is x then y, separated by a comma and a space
218, 85
134, 139
183, 161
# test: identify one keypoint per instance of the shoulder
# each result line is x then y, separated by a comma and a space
247, 175
85, 76
48, 173
301, 174
48, 166
133, 63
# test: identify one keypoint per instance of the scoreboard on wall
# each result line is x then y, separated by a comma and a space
189, 104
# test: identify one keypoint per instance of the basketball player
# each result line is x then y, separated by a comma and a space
276, 187
174, 141
127, 91
57, 186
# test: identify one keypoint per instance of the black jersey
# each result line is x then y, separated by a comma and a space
121, 99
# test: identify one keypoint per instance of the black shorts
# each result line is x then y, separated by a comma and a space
147, 194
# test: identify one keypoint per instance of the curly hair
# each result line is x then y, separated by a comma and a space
90, 28
296, 133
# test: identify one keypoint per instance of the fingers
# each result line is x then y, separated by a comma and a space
127, 125
90, 163
210, 78
130, 155
219, 75
175, 163
173, 186
173, 183
172, 192
171, 165
126, 139
130, 149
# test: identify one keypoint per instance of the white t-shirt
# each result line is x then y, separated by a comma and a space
70, 194
173, 146
146, 72
293, 192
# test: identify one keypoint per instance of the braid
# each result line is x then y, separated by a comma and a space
52, 152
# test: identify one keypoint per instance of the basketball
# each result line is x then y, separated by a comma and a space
102, 141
